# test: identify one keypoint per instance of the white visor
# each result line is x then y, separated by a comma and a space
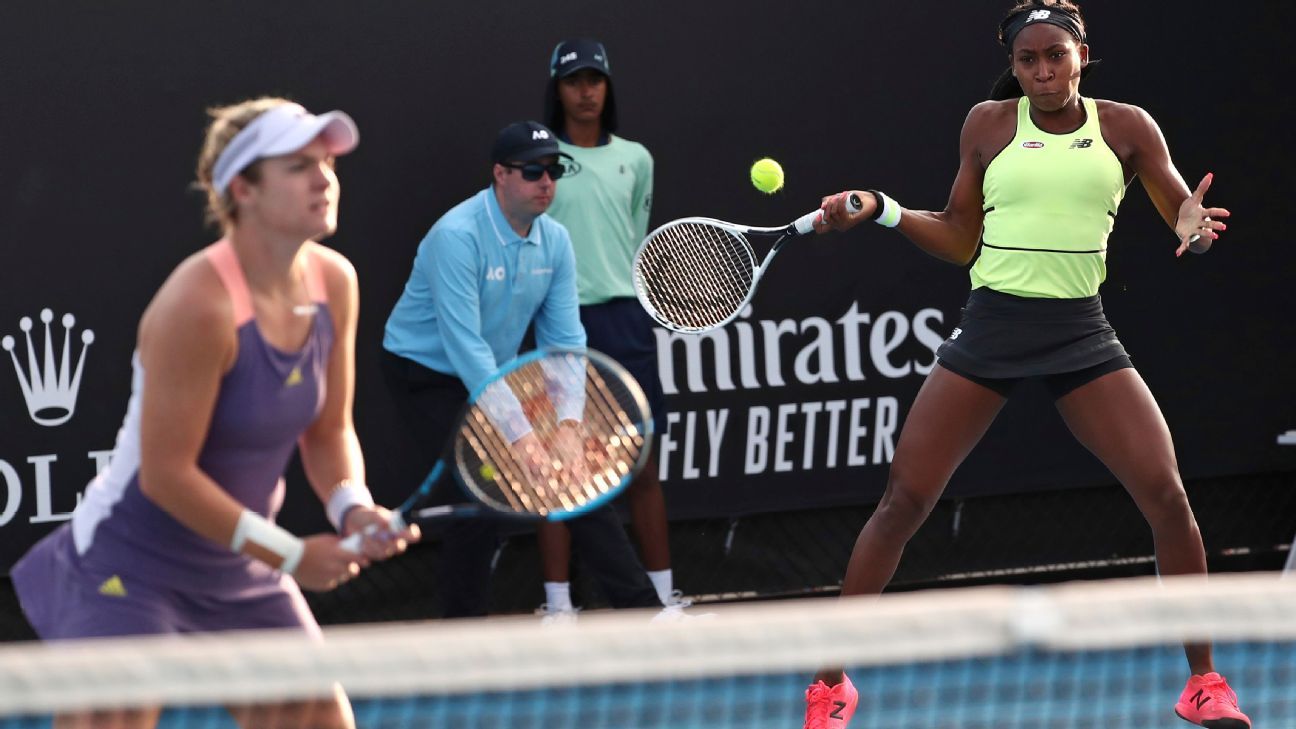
282, 130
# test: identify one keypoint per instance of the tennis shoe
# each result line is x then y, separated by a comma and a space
676, 598
673, 611
1208, 701
830, 707
556, 617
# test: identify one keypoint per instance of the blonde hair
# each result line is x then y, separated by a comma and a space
227, 122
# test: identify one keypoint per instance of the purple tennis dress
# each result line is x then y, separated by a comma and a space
123, 566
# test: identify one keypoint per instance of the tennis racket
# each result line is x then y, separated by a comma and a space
696, 274
552, 434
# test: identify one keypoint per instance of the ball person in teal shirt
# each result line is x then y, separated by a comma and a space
606, 209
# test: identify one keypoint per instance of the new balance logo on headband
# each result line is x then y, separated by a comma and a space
1037, 15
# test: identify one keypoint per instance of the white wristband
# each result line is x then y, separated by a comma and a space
252, 527
346, 494
888, 213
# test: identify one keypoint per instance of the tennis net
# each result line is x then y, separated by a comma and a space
1074, 655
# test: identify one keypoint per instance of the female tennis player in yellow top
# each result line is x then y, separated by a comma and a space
1042, 171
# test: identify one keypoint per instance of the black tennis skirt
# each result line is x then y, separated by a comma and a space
1002, 336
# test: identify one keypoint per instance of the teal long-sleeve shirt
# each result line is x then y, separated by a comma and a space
476, 286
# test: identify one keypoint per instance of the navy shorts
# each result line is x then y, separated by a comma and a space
622, 330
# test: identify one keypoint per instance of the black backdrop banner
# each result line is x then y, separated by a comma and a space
799, 402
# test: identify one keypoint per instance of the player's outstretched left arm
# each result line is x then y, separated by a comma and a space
952, 234
1148, 155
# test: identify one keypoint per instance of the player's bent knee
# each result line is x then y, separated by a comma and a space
1167, 506
904, 509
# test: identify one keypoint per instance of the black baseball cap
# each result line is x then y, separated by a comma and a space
525, 141
571, 56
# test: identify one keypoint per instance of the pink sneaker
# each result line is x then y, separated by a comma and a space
830, 707
1208, 701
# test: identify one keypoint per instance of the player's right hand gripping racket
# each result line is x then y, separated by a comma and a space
552, 434
696, 274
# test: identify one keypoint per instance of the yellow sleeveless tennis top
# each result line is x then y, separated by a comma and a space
1050, 203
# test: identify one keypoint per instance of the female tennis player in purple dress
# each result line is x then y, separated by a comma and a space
1042, 173
246, 352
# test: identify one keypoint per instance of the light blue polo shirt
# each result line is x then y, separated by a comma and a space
475, 288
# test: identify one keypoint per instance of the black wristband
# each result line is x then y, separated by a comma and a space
878, 207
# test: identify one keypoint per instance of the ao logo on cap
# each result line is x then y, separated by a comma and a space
539, 134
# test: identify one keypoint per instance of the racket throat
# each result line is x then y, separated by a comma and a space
433, 512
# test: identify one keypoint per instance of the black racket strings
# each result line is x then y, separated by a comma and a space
697, 274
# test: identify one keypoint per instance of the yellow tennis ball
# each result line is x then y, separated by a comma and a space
767, 175
487, 471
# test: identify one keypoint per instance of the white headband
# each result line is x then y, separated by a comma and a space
282, 130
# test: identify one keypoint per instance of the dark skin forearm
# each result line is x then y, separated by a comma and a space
951, 234
1137, 140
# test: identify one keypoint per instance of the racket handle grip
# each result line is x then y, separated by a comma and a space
353, 542
1198, 243
805, 223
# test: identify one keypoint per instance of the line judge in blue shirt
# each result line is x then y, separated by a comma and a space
490, 267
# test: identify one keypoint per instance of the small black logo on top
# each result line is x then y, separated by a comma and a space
1081, 144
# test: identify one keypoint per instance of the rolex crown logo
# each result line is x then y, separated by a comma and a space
50, 389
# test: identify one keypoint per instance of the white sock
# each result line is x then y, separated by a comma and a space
661, 580
558, 596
